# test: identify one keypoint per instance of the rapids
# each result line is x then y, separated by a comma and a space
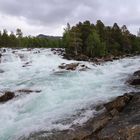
63, 93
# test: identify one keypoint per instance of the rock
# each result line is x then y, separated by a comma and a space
137, 73
82, 58
108, 58
7, 96
135, 78
62, 66
127, 125
1, 71
27, 91
119, 103
26, 64
98, 60
21, 56
135, 81
71, 66
116, 57
83, 67
112, 124
4, 50
58, 51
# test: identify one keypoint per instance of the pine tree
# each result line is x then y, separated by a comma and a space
75, 41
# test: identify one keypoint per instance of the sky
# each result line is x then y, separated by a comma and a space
50, 17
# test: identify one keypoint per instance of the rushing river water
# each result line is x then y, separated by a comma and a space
63, 93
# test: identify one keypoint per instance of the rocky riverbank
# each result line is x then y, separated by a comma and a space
119, 120
95, 60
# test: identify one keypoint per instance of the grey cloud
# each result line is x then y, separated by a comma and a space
58, 12
45, 12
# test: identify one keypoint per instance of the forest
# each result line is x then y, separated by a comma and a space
86, 38
99, 40
19, 41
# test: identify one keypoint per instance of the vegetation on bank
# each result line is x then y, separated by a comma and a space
92, 40
19, 41
99, 40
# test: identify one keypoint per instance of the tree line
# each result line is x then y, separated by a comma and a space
86, 38
97, 40
17, 40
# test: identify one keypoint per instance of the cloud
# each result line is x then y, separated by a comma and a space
50, 16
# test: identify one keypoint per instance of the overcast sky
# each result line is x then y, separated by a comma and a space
50, 16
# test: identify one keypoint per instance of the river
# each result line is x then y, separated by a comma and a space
65, 95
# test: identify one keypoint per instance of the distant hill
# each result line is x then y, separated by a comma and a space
49, 37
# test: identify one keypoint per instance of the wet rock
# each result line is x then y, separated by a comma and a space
71, 66
15, 51
27, 91
116, 57
127, 125
82, 58
135, 81
97, 60
1, 71
58, 51
83, 67
135, 78
4, 50
26, 64
108, 58
119, 103
21, 56
7, 96
137, 73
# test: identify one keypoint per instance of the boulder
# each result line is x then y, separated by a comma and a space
135, 78
137, 73
1, 71
135, 81
119, 103
83, 67
71, 66
126, 125
82, 57
58, 51
7, 96
108, 58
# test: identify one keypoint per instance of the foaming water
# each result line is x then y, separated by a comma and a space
63, 93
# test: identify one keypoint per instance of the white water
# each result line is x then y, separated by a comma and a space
63, 94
